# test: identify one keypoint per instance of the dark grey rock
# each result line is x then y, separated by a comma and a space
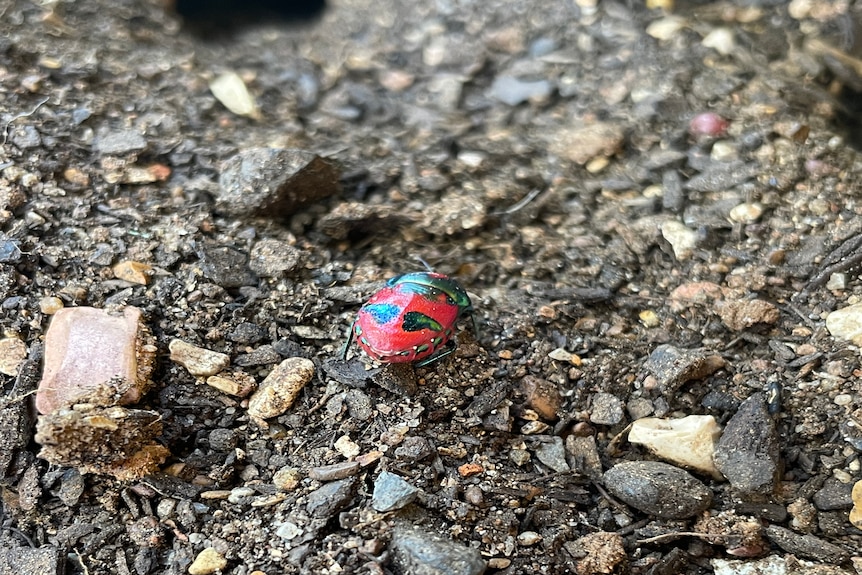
658, 489
834, 495
606, 409
414, 449
748, 452
247, 333
807, 546
226, 266
223, 439
673, 367
553, 454
585, 456
274, 182
331, 498
264, 355
418, 552
15, 559
391, 492
120, 142
71, 487
359, 405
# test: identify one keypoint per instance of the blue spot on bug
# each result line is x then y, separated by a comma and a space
383, 312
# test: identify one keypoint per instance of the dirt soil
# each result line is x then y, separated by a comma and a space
558, 159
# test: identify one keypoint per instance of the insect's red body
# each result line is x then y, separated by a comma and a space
411, 319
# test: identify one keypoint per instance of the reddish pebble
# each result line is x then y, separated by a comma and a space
707, 124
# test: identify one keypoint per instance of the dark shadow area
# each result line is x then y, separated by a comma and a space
849, 116
226, 16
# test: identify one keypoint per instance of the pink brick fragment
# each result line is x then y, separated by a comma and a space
86, 348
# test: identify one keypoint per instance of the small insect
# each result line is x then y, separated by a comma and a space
411, 319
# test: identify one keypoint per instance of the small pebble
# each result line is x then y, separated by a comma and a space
606, 409
231, 91
721, 40
392, 492
649, 318
334, 472
553, 454
133, 272
542, 396
238, 383
280, 388
527, 538
470, 469
681, 238
347, 447
846, 323
707, 124
418, 551
198, 361
288, 530
723, 152
837, 281
856, 512
50, 305
287, 478
748, 453
513, 91
666, 28
746, 213
740, 315
207, 562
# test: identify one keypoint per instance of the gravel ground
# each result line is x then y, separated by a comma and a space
655, 212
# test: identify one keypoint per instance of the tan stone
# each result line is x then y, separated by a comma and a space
280, 388
199, 361
12, 352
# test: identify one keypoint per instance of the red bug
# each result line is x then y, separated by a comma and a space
411, 319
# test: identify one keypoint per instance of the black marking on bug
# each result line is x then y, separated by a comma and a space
422, 348
415, 321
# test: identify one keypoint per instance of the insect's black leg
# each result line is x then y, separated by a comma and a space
348, 342
448, 349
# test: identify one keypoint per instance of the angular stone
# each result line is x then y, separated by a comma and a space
391, 492
198, 361
674, 367
418, 552
748, 452
846, 323
274, 182
688, 442
133, 272
807, 546
15, 559
89, 350
331, 497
